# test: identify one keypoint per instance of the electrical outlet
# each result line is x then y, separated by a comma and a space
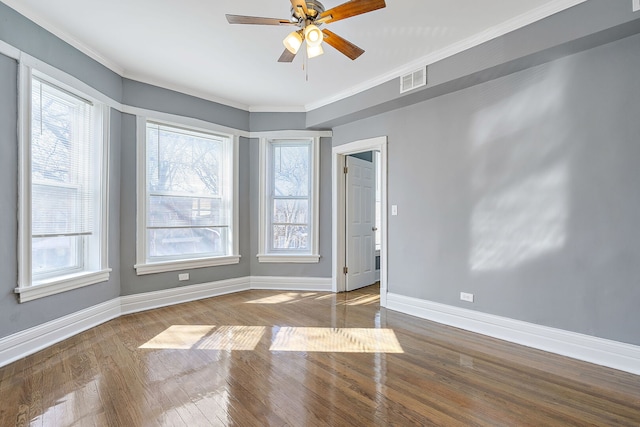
466, 297
183, 276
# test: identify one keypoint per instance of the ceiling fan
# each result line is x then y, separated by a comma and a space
309, 15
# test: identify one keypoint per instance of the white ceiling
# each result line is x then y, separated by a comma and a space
187, 45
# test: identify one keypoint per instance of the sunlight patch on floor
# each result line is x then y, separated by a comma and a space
233, 338
207, 337
304, 339
282, 298
338, 340
178, 337
361, 300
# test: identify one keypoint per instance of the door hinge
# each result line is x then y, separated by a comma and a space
345, 270
346, 170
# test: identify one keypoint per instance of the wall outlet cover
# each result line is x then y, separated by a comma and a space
466, 297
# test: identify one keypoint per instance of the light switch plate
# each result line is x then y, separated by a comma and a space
394, 210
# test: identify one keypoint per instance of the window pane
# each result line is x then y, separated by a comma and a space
290, 237
291, 170
62, 152
193, 242
57, 210
291, 211
183, 163
176, 211
50, 254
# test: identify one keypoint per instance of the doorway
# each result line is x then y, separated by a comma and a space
360, 220
339, 215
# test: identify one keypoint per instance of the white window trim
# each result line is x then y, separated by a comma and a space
143, 267
26, 290
307, 258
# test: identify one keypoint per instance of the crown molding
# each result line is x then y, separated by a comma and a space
43, 22
489, 34
184, 90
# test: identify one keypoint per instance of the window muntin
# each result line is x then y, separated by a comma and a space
189, 194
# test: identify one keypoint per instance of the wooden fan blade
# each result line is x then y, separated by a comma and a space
349, 9
344, 46
257, 20
286, 56
298, 5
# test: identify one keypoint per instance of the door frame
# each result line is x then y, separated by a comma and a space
338, 155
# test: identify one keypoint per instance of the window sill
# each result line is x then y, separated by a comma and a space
289, 258
60, 284
162, 267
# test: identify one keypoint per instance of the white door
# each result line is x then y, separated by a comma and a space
360, 223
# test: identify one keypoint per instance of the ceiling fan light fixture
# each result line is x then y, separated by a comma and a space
313, 51
313, 35
293, 42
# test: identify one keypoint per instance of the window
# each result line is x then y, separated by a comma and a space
63, 193
187, 216
289, 205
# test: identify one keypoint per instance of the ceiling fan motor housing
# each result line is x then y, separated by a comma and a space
314, 9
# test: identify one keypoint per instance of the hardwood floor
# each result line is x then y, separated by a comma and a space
252, 359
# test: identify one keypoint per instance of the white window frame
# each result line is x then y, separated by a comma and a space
142, 266
282, 256
97, 270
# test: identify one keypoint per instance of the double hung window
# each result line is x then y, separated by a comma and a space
289, 200
63, 188
187, 215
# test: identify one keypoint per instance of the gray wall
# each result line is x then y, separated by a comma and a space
523, 191
143, 95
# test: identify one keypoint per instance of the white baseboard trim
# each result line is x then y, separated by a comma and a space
150, 300
613, 354
322, 284
29, 341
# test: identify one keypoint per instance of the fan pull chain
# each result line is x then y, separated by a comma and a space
305, 66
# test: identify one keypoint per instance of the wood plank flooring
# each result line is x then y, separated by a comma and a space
211, 362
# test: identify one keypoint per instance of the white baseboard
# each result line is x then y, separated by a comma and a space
149, 300
613, 354
24, 343
291, 283
29, 341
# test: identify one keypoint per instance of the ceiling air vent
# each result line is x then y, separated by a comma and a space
413, 80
